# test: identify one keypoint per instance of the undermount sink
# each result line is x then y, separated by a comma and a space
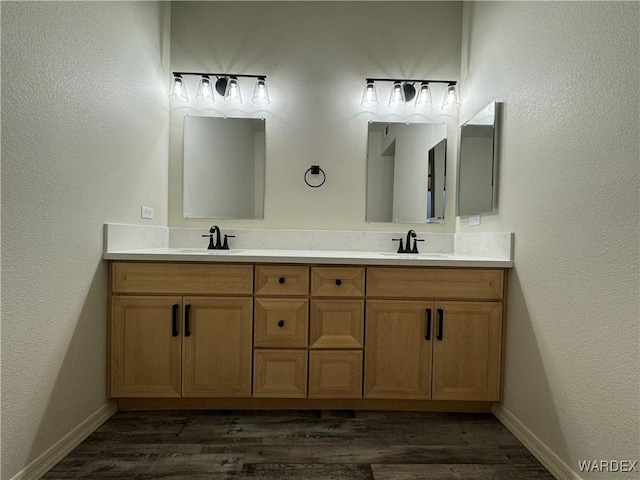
415, 255
191, 251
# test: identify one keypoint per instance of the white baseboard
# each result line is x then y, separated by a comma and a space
45, 462
558, 468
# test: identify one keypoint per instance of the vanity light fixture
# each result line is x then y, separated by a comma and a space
232, 92
397, 98
423, 100
260, 92
369, 97
178, 92
451, 99
205, 90
226, 85
404, 91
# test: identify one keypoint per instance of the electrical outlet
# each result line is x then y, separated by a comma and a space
146, 212
474, 220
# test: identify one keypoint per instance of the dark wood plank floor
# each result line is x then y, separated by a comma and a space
300, 445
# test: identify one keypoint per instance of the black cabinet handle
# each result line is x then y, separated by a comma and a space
440, 323
187, 331
174, 320
281, 323
427, 336
281, 280
338, 282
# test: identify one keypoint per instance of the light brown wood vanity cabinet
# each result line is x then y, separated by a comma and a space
180, 330
305, 336
308, 341
434, 333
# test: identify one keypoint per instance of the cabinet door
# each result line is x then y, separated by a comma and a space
217, 347
398, 349
467, 351
145, 346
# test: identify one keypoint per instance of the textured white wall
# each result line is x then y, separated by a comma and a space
316, 56
84, 142
568, 74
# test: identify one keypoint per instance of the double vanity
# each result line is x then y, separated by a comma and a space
309, 319
266, 328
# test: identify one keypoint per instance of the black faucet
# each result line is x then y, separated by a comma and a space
218, 245
410, 234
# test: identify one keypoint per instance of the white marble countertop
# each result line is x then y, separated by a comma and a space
306, 256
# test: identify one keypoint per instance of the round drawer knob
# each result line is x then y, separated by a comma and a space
281, 323
281, 280
338, 282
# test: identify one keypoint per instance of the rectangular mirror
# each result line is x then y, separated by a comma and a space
406, 172
224, 161
477, 163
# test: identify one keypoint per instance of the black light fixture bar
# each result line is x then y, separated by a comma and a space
404, 91
260, 77
450, 82
226, 86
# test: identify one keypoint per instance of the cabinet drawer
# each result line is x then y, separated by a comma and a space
441, 283
337, 281
182, 278
337, 323
282, 280
280, 373
281, 322
335, 374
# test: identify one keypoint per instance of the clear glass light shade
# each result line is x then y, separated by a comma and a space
232, 92
396, 100
178, 92
205, 91
260, 92
451, 99
369, 97
423, 98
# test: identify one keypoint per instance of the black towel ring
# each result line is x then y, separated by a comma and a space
315, 170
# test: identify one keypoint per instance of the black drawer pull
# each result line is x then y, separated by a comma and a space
281, 280
427, 336
174, 320
281, 323
187, 331
440, 323
338, 282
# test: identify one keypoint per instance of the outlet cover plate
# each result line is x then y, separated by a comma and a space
146, 212
474, 220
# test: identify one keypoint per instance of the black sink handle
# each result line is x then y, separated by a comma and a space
401, 246
211, 245
415, 244
225, 245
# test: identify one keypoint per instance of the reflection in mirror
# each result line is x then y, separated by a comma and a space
406, 172
223, 167
477, 163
